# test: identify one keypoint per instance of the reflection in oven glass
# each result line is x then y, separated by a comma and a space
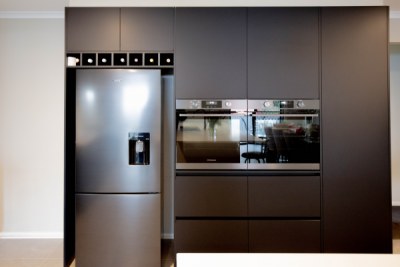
211, 136
284, 138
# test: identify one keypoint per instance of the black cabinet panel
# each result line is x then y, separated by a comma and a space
92, 29
147, 29
284, 196
211, 236
114, 29
355, 130
210, 196
294, 236
283, 53
210, 53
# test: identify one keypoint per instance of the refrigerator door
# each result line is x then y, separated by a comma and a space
113, 107
118, 230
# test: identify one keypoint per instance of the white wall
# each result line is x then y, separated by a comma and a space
395, 120
31, 127
395, 30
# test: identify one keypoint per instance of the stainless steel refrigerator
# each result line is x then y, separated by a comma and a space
118, 168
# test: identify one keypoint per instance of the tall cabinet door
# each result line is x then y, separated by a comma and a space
210, 52
283, 53
147, 29
92, 29
355, 130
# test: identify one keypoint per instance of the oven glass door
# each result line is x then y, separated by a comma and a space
211, 139
284, 136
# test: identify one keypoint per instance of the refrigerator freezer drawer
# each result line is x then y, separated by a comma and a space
118, 230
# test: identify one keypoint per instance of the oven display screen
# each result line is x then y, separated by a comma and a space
211, 104
286, 104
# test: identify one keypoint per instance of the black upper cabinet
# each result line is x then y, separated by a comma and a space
116, 29
355, 126
147, 29
283, 53
92, 29
210, 53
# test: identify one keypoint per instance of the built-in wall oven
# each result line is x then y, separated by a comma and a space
247, 135
211, 134
290, 134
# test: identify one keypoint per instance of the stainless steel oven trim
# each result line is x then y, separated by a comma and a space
260, 103
248, 166
213, 115
284, 115
284, 166
235, 104
211, 166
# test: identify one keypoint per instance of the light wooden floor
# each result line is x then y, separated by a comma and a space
49, 252
31, 252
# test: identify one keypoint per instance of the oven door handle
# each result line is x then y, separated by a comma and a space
212, 115
284, 115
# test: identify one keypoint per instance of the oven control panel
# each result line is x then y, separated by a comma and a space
211, 104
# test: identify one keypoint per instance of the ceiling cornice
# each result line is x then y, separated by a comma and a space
60, 15
31, 14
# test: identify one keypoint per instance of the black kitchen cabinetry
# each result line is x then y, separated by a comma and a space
247, 213
355, 130
211, 214
283, 211
211, 235
283, 58
204, 196
284, 236
284, 196
147, 29
119, 29
210, 53
336, 54
92, 29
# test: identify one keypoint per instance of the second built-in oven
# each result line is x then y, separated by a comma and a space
283, 135
247, 135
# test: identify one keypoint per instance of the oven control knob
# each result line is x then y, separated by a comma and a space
267, 104
300, 104
228, 104
194, 104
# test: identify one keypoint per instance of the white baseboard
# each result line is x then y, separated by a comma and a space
31, 235
395, 203
49, 235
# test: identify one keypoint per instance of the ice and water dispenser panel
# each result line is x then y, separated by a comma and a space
139, 148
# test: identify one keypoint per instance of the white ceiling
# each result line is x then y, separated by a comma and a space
394, 5
33, 5
58, 5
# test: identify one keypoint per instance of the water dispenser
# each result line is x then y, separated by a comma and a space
139, 148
